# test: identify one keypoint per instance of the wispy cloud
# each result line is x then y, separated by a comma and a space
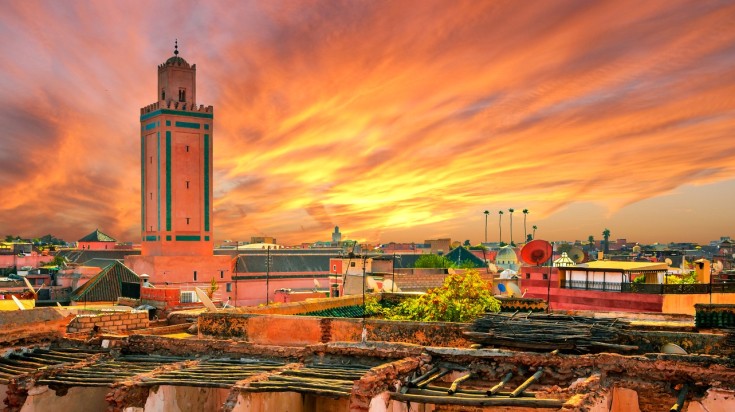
371, 115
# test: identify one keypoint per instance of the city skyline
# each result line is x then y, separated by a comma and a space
395, 121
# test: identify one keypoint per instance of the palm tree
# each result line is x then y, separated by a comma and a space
487, 212
534, 231
525, 215
606, 235
511, 226
500, 225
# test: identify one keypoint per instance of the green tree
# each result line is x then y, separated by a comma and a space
534, 227
511, 210
433, 261
58, 260
564, 248
500, 225
461, 298
606, 236
525, 232
213, 287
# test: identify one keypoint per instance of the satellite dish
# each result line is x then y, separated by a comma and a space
514, 291
317, 285
18, 303
206, 301
669, 262
30, 287
492, 268
718, 266
576, 254
673, 349
372, 284
536, 252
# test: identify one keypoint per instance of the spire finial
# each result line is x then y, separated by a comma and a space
176, 47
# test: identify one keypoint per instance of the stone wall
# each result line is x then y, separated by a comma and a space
303, 330
32, 324
109, 321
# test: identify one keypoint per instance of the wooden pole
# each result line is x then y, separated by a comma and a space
519, 390
680, 400
454, 400
492, 391
418, 380
455, 385
433, 378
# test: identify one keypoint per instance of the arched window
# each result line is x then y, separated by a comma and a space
182, 95
163, 94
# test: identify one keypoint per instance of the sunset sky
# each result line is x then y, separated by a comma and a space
396, 120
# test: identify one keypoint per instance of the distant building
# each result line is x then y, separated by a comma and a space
336, 236
96, 241
176, 143
263, 239
439, 245
507, 258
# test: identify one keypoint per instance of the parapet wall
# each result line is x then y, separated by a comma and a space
307, 306
174, 105
109, 322
307, 330
32, 324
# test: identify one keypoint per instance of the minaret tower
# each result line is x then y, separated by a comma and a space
176, 166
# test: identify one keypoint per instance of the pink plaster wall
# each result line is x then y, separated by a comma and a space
96, 245
35, 261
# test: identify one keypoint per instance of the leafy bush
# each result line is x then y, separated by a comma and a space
688, 279
461, 298
433, 261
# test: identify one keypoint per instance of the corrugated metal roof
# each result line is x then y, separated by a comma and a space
101, 262
340, 312
106, 286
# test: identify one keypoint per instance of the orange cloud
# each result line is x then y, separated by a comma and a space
399, 119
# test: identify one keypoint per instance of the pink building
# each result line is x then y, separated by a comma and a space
176, 139
96, 241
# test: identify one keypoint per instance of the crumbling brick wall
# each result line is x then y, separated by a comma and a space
109, 321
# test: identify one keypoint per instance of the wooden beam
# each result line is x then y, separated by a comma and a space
495, 389
455, 385
519, 390
680, 399
453, 400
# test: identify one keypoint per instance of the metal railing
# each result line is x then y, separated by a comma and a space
650, 288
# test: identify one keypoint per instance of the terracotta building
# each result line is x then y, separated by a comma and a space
176, 140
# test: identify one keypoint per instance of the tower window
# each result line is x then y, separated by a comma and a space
195, 275
222, 275
187, 148
163, 94
151, 195
151, 159
187, 220
229, 287
187, 184
182, 95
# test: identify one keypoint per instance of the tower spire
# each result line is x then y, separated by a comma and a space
176, 47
